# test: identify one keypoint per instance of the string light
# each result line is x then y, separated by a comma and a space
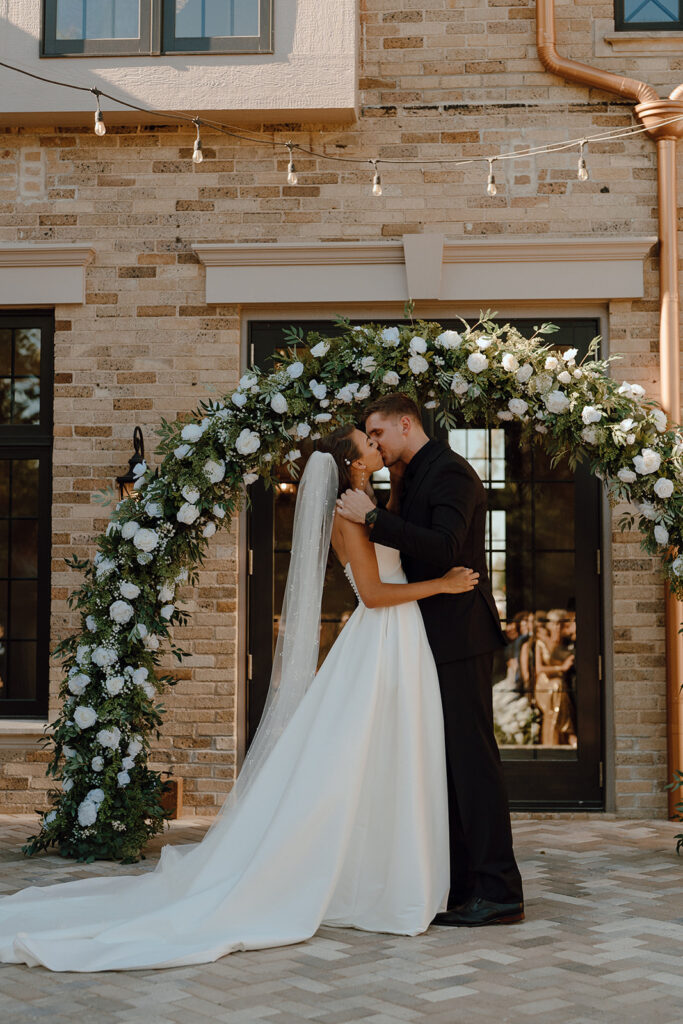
491, 186
582, 171
376, 180
100, 126
292, 178
197, 155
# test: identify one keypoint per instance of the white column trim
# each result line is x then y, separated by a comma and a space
43, 274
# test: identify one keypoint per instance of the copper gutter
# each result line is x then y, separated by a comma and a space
650, 110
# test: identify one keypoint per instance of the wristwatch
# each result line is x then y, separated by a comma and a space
371, 516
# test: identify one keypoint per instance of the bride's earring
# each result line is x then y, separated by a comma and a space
362, 481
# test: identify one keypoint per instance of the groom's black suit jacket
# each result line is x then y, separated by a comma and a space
443, 524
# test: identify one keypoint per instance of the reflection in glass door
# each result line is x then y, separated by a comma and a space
543, 542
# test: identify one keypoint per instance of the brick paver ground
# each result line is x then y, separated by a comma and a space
602, 944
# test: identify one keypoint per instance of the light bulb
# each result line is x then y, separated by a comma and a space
491, 187
100, 126
376, 181
197, 155
292, 178
582, 171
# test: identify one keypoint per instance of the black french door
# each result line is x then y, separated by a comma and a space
543, 549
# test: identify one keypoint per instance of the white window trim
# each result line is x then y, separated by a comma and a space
43, 275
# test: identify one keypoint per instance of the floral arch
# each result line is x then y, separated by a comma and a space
108, 803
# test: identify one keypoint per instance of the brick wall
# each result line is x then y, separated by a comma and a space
458, 79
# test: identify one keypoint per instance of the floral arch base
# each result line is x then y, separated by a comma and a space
108, 803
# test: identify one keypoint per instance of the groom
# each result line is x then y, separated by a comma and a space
439, 521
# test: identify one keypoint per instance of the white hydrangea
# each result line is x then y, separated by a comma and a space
77, 683
627, 476
97, 763
517, 406
448, 339
320, 350
557, 402
183, 450
87, 813
648, 461
114, 684
459, 385
389, 337
248, 442
661, 534
391, 378
121, 612
510, 362
214, 471
104, 656
294, 370
664, 488
191, 432
85, 716
210, 528
318, 390
524, 373
589, 414
418, 364
146, 539
187, 513
417, 345
109, 738
129, 590
477, 361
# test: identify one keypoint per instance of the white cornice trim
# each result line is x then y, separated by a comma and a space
45, 274
533, 249
299, 254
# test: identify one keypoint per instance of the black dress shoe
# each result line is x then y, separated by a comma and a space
478, 911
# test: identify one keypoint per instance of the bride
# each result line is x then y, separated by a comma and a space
339, 815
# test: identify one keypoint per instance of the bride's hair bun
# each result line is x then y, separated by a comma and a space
339, 444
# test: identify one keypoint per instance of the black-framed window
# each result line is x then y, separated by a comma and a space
131, 27
653, 15
26, 374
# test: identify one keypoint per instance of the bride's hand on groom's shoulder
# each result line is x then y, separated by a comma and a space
353, 505
459, 580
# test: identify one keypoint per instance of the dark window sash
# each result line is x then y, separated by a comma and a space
621, 25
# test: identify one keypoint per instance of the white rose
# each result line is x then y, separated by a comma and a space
134, 747
97, 763
167, 611
96, 796
589, 414
541, 429
345, 394
91, 623
626, 425
278, 403
323, 417
129, 529
368, 364
104, 656
637, 391
182, 576
214, 471
146, 539
390, 337
517, 406
524, 373
459, 385
294, 370
570, 355
477, 362
109, 737
627, 476
564, 377
659, 416
128, 589
293, 455
239, 399
647, 510
182, 450
320, 350
417, 345
87, 813
647, 462
664, 488
503, 414
123, 778
577, 374
510, 363
140, 630
661, 534
68, 751
67, 785
418, 364
149, 690
318, 390
364, 392
85, 716
324, 402
248, 479
556, 402
151, 643
391, 378
49, 817
105, 566
590, 435
248, 442
191, 432
448, 339
187, 513
127, 763
139, 675
247, 380
677, 566
218, 511
78, 683
166, 593
114, 684
190, 494
484, 342
121, 612
551, 363
303, 430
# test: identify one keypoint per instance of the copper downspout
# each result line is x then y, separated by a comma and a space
650, 110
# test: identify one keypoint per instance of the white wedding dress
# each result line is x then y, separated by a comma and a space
344, 824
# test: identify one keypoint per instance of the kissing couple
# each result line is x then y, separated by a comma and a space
372, 795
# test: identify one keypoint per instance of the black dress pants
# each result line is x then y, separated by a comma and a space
482, 859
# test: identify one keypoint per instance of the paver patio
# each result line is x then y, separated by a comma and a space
602, 943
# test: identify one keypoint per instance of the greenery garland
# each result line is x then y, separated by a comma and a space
108, 805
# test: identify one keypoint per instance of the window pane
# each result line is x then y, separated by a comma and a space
27, 352
98, 19
21, 684
24, 487
201, 18
5, 352
636, 11
5, 399
24, 554
26, 400
23, 597
4, 547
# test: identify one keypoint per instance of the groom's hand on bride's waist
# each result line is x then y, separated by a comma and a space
354, 505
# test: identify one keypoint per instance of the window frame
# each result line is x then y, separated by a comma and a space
35, 442
157, 36
621, 25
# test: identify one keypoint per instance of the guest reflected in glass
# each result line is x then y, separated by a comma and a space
552, 663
